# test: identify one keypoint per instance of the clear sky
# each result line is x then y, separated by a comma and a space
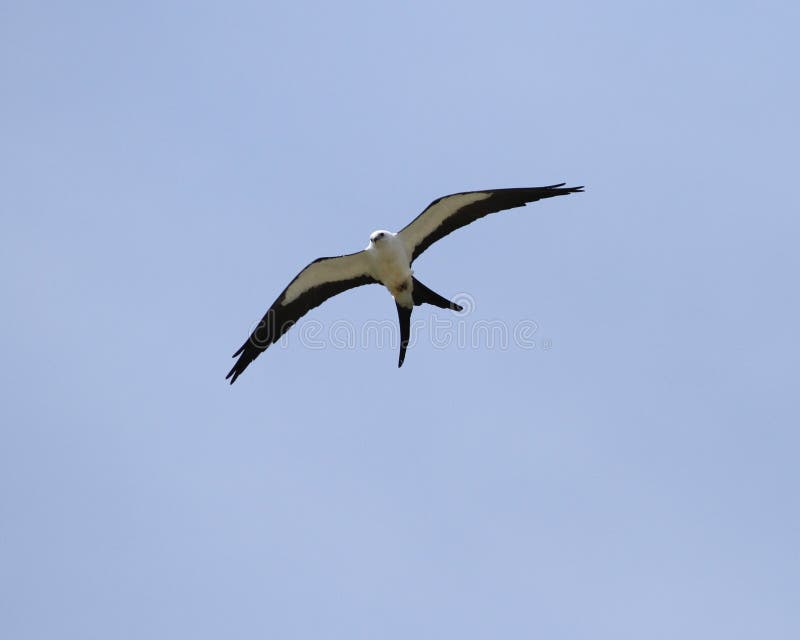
166, 169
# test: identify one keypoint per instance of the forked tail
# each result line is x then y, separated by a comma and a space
404, 315
422, 295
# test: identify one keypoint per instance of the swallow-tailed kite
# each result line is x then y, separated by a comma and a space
386, 260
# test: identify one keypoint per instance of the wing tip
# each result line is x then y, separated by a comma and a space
246, 356
235, 372
562, 189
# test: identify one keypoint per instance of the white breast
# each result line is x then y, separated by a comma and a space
391, 263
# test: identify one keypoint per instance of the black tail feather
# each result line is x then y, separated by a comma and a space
404, 315
422, 295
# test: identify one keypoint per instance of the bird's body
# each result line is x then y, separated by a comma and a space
386, 260
391, 265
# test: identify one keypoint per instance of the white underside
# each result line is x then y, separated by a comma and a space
391, 266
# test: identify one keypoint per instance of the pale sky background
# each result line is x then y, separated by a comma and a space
166, 169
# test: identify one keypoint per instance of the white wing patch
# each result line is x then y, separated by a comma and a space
433, 217
328, 270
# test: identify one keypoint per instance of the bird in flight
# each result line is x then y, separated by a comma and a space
386, 260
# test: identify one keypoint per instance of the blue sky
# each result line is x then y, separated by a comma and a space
167, 167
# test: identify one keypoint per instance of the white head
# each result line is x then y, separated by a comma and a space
376, 237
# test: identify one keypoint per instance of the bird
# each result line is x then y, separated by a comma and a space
386, 260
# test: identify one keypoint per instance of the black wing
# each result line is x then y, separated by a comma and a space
457, 210
320, 280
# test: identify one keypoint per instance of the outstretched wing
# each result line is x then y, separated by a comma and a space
320, 280
452, 212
